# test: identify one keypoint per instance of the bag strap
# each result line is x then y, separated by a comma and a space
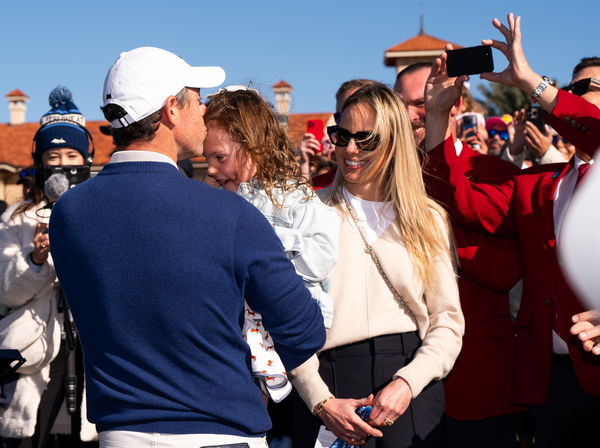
369, 250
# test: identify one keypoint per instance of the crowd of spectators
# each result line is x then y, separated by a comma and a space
400, 268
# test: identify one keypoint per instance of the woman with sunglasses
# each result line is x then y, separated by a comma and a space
397, 329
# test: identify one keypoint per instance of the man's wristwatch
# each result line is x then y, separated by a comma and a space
543, 85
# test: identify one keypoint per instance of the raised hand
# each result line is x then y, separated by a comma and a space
538, 142
441, 91
518, 69
516, 132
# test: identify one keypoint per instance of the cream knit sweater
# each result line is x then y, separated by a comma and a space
365, 308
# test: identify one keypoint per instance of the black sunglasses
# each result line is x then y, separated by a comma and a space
364, 140
503, 134
582, 86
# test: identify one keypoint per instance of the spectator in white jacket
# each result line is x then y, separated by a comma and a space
32, 398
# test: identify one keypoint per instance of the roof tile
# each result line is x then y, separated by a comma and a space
16, 140
16, 92
422, 42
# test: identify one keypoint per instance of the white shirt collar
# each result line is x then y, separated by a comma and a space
577, 162
141, 156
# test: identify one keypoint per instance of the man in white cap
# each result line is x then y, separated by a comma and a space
156, 267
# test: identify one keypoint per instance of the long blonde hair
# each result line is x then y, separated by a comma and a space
396, 160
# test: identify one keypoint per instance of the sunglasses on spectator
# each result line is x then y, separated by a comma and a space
364, 140
582, 86
503, 134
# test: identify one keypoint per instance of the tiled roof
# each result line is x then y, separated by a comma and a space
16, 92
15, 140
422, 42
281, 84
16, 143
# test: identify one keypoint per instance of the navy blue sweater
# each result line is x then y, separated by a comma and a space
155, 267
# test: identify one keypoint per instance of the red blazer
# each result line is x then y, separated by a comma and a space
523, 208
479, 384
577, 120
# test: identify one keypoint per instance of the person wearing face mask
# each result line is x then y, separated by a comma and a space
29, 288
397, 326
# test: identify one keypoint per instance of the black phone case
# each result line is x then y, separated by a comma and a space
470, 61
535, 115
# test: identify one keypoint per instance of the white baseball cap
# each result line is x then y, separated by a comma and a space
142, 79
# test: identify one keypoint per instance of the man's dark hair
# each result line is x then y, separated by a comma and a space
413, 68
585, 63
143, 130
352, 84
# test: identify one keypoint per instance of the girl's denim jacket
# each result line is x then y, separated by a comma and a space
309, 232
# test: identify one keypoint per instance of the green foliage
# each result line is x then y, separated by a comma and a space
501, 99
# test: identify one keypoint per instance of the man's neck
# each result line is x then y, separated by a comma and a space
158, 144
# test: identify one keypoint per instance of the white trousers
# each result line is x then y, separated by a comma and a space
131, 439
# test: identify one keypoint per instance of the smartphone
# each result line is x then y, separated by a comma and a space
469, 127
536, 116
317, 128
469, 121
470, 61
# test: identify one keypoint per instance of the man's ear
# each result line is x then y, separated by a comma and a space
456, 108
171, 112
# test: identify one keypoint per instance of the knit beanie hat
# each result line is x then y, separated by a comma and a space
63, 126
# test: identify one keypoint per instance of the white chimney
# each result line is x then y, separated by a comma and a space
283, 97
16, 106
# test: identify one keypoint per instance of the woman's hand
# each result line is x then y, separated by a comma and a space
41, 244
340, 417
390, 403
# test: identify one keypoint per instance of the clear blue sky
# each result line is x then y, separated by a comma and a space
313, 45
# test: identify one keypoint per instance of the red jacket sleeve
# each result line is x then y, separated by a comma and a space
494, 263
477, 206
577, 120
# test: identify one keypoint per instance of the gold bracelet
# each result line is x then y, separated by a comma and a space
319, 406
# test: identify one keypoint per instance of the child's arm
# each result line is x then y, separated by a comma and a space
312, 241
